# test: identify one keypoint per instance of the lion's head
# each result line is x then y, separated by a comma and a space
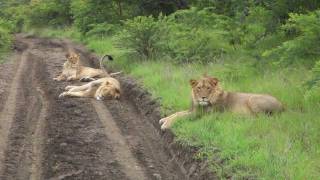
107, 90
205, 90
73, 57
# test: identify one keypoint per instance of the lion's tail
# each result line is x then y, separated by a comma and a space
110, 58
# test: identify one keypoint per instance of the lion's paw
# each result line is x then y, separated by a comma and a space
164, 126
163, 120
63, 95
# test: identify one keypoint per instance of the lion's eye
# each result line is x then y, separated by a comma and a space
199, 88
208, 88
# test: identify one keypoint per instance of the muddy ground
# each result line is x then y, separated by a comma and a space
44, 137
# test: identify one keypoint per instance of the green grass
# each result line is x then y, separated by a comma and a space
285, 146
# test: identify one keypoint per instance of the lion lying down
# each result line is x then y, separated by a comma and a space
72, 70
208, 95
100, 89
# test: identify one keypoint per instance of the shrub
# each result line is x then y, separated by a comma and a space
17, 15
5, 40
256, 26
185, 36
140, 35
303, 34
6, 27
101, 30
88, 13
50, 12
196, 36
312, 95
195, 45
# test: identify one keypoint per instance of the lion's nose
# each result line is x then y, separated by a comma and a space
204, 97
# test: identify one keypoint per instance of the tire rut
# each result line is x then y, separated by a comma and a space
26, 116
8, 111
122, 151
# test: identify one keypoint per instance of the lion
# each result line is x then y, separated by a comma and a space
100, 89
208, 96
72, 70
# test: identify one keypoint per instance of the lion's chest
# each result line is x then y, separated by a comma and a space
68, 71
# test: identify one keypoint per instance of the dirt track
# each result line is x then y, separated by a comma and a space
44, 137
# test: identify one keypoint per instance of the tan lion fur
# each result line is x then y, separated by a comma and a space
100, 89
72, 70
208, 95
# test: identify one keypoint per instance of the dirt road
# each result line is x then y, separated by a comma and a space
44, 137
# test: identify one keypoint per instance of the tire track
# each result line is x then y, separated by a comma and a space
38, 140
27, 112
8, 112
123, 154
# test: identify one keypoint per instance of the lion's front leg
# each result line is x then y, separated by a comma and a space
168, 121
61, 77
72, 78
74, 94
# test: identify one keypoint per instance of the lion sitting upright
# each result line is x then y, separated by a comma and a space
208, 95
72, 70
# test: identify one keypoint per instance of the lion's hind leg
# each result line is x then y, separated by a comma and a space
264, 104
70, 87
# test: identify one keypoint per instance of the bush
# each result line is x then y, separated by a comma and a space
17, 15
101, 30
185, 36
50, 12
256, 26
88, 13
196, 36
5, 39
140, 35
195, 45
6, 28
303, 34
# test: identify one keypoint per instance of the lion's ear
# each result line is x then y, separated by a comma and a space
213, 81
67, 55
193, 82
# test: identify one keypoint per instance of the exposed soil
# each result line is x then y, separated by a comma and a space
44, 137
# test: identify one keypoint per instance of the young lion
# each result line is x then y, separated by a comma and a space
100, 89
208, 95
72, 70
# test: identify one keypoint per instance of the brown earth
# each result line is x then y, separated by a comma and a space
44, 137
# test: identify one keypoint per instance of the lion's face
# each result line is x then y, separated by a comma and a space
203, 89
72, 58
107, 90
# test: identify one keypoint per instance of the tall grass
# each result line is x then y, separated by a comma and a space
285, 146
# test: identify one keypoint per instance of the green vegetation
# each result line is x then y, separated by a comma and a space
251, 46
6, 28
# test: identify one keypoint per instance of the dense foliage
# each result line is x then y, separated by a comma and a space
6, 27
